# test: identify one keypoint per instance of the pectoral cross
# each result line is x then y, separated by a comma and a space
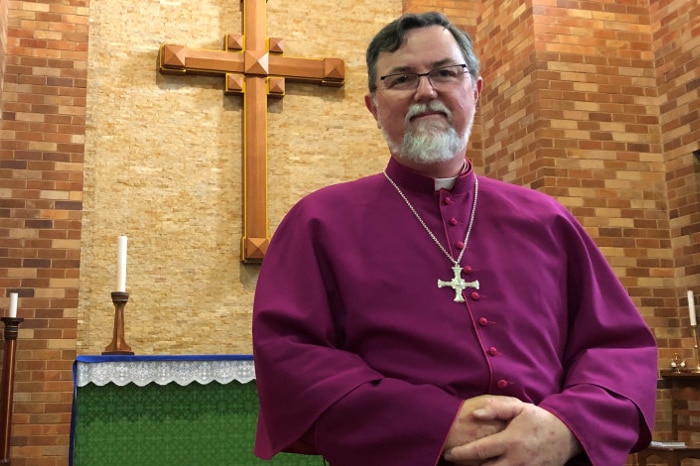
253, 65
458, 283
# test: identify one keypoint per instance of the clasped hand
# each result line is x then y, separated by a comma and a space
494, 430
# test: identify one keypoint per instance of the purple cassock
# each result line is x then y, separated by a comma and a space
362, 358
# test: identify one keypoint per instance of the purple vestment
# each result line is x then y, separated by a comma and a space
361, 358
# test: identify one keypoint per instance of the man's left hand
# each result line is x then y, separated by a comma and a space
533, 436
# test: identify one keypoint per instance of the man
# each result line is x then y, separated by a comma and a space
427, 315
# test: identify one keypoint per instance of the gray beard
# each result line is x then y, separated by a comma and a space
430, 142
426, 147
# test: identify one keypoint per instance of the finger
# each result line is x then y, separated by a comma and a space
503, 408
477, 451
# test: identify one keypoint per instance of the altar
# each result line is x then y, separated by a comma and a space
167, 410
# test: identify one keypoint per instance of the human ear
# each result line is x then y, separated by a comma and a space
372, 107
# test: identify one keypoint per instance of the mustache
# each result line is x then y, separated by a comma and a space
432, 106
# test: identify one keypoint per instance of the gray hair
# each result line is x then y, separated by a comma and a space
393, 36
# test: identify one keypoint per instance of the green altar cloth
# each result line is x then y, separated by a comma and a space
167, 424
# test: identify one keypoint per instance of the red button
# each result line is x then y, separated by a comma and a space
460, 245
493, 351
453, 221
502, 384
475, 295
467, 269
483, 321
448, 200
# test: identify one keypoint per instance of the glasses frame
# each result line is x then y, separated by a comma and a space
465, 70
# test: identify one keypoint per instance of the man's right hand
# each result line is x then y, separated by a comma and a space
466, 427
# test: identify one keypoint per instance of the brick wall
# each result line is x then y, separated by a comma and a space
41, 157
676, 44
3, 41
676, 41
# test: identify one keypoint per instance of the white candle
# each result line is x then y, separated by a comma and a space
12, 312
121, 264
691, 309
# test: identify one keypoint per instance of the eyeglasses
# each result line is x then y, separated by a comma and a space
441, 77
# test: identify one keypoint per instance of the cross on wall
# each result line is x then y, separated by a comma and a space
253, 65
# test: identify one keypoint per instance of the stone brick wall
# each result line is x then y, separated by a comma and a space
676, 45
41, 173
163, 164
3, 41
594, 102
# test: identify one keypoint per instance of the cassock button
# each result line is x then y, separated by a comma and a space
475, 295
448, 200
502, 384
493, 351
453, 221
483, 321
460, 245
467, 269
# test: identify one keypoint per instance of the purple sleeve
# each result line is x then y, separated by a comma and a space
583, 406
609, 392
360, 426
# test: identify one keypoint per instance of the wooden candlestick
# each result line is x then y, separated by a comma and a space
695, 347
118, 345
8, 378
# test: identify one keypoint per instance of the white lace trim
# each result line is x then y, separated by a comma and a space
183, 373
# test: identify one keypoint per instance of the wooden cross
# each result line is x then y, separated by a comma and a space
253, 65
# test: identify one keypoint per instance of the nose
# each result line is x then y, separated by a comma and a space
424, 88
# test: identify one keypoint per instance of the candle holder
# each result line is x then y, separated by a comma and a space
695, 347
677, 364
8, 377
118, 345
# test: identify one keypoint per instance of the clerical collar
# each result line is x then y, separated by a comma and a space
445, 183
449, 183
410, 180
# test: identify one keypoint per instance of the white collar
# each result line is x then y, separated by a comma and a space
445, 183
449, 183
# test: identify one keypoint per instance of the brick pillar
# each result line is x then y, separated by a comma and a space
41, 183
3, 44
570, 109
677, 55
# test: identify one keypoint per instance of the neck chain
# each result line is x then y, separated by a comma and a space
458, 284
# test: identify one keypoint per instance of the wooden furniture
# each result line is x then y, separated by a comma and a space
672, 456
685, 419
